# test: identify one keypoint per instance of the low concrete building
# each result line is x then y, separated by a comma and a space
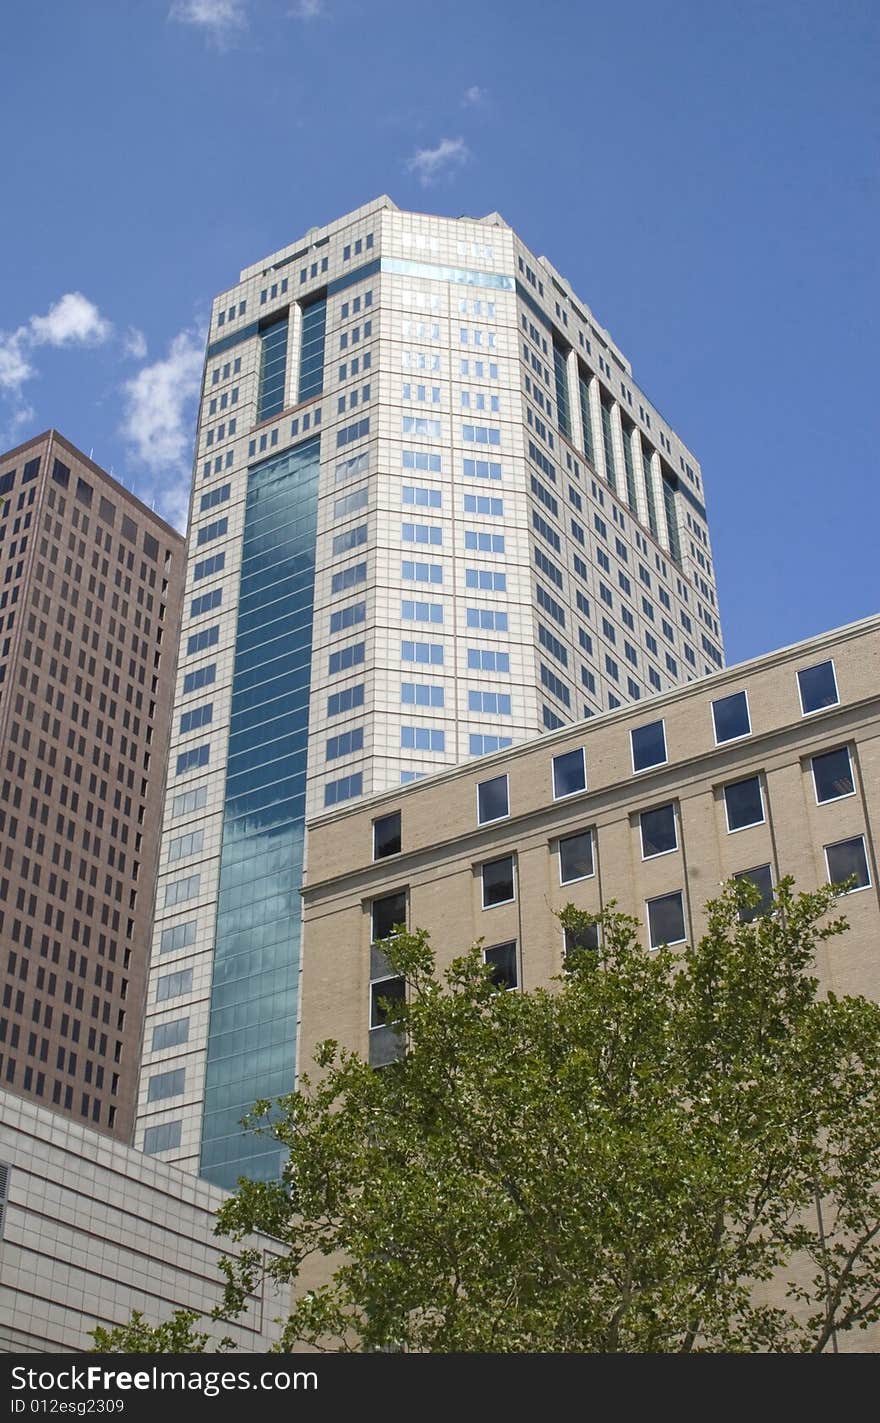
91, 1230
769, 768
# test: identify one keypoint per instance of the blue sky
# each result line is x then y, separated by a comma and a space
705, 175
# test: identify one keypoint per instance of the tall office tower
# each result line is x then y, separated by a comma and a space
433, 514
90, 589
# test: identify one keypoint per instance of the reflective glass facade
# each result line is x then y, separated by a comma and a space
273, 369
252, 1034
311, 361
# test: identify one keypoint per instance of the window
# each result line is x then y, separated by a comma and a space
648, 746
762, 879
730, 717
345, 744
188, 760
386, 835
164, 1137
171, 1034
493, 801
818, 687
744, 804
177, 936
480, 745
658, 831
847, 858
422, 738
576, 857
166, 1084
346, 788
666, 920
173, 985
387, 913
384, 994
206, 603
832, 775
569, 773
584, 938
497, 877
501, 959
345, 657
490, 703
487, 660
346, 700
421, 694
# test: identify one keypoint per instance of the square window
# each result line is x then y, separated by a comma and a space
659, 834
386, 913
501, 958
386, 835
832, 775
818, 687
648, 746
730, 716
577, 940
744, 803
576, 857
846, 858
762, 879
569, 773
492, 800
666, 920
497, 878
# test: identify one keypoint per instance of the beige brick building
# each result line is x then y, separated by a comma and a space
771, 767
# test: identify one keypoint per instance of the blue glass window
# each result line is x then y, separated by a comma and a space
273, 369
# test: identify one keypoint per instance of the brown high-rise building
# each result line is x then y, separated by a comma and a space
91, 583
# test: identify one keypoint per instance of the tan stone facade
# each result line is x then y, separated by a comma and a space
91, 582
789, 806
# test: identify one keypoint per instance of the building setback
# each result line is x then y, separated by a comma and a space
766, 769
89, 619
433, 515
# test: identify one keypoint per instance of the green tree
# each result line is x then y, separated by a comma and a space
622, 1162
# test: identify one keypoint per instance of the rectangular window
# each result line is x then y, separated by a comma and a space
171, 1034
483, 543
497, 881
569, 773
189, 801
413, 611
174, 985
847, 858
198, 641
744, 803
206, 566
206, 602
166, 1084
422, 738
273, 369
489, 703
493, 802
583, 939
576, 857
351, 538
430, 652
421, 694
730, 716
195, 717
348, 577
648, 746
348, 617
346, 788
211, 531
386, 915
189, 760
214, 497
346, 657
345, 744
762, 880
818, 687
311, 360
346, 700
164, 1137
501, 959
421, 496
666, 920
414, 572
201, 677
480, 745
832, 775
484, 578
178, 936
386, 835
486, 618
421, 534
487, 660
658, 831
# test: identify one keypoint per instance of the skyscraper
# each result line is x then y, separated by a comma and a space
433, 514
89, 616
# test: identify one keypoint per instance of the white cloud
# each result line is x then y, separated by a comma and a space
159, 420
10, 432
15, 368
307, 9
73, 320
473, 96
134, 343
431, 163
218, 18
